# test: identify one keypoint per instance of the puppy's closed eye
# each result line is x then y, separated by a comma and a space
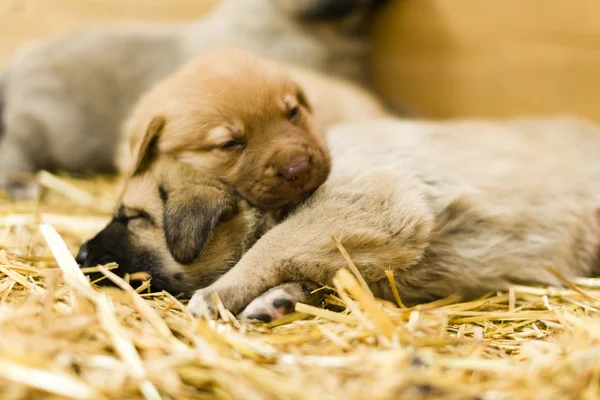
227, 138
125, 215
232, 145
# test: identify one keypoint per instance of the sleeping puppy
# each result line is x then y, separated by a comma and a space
245, 121
167, 214
461, 207
63, 101
183, 227
467, 207
241, 122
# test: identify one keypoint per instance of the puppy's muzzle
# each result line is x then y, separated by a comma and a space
110, 245
113, 244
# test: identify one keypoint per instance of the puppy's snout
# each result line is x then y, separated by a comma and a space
297, 173
83, 253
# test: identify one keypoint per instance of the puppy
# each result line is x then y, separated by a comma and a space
245, 121
460, 207
168, 214
183, 227
65, 99
240, 121
466, 207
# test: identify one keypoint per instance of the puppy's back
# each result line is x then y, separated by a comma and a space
488, 156
506, 196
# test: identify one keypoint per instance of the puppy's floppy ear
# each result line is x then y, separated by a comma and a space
302, 99
147, 148
191, 214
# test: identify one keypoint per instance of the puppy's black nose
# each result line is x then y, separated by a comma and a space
82, 255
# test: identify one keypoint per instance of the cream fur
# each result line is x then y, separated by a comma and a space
460, 207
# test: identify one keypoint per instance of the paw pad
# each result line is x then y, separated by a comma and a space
263, 317
285, 304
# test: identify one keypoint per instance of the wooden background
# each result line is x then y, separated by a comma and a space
440, 58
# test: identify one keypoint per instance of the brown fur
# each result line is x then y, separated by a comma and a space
176, 128
182, 227
229, 97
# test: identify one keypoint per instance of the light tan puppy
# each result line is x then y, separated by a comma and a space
165, 219
181, 226
452, 208
249, 122
462, 207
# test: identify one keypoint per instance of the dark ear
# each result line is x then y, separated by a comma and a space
147, 148
302, 99
328, 10
190, 218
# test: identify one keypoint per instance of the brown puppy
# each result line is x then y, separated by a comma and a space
245, 121
73, 92
167, 214
184, 228
244, 125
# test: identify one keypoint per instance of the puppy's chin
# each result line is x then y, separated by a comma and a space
273, 194
279, 206
275, 201
269, 204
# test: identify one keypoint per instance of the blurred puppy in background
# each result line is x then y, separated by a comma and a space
64, 100
239, 118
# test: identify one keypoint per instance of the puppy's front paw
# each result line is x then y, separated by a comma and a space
281, 300
202, 304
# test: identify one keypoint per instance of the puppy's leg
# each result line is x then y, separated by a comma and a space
380, 228
281, 300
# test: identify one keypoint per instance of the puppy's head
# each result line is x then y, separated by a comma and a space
172, 222
243, 120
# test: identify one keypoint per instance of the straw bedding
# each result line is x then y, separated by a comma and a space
63, 338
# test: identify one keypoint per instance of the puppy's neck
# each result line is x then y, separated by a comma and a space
284, 212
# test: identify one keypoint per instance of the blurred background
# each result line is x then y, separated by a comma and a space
438, 58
